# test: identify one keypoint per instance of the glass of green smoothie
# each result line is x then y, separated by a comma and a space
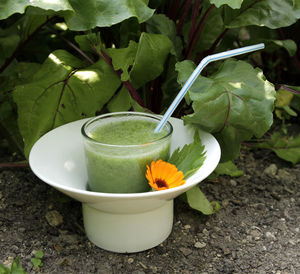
118, 147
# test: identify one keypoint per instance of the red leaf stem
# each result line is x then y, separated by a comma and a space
216, 42
281, 86
77, 49
195, 13
127, 84
186, 8
13, 165
173, 11
197, 33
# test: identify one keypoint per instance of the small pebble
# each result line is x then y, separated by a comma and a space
54, 218
199, 245
205, 232
271, 170
292, 242
138, 272
255, 233
130, 260
21, 229
270, 235
187, 227
225, 203
233, 182
186, 251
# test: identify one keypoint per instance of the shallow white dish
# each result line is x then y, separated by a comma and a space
117, 222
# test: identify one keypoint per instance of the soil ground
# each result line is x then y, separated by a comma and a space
257, 229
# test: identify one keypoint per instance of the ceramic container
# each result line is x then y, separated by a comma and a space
122, 223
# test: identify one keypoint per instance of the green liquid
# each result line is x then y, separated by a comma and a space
127, 132
121, 169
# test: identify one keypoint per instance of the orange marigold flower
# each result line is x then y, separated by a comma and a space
162, 175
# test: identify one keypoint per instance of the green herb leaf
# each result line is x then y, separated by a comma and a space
190, 158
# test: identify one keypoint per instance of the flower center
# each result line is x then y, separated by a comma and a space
161, 183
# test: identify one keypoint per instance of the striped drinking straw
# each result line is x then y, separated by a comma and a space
205, 61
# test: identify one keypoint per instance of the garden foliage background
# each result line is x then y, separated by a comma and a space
65, 60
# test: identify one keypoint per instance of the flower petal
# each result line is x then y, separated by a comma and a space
163, 175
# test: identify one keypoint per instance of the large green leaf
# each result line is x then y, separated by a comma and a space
142, 62
152, 52
283, 101
161, 24
227, 168
123, 58
10, 7
88, 42
296, 99
235, 4
198, 201
170, 87
289, 45
16, 74
270, 13
121, 101
286, 147
235, 103
273, 44
60, 92
104, 13
9, 40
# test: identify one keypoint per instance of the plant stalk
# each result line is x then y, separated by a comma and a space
281, 86
173, 11
186, 8
197, 33
127, 84
78, 50
213, 47
14, 165
195, 14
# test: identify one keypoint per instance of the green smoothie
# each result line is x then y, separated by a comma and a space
118, 150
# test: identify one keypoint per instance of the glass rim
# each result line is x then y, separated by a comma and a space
125, 113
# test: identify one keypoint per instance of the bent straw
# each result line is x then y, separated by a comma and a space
197, 71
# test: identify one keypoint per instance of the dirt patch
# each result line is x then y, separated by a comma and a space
256, 230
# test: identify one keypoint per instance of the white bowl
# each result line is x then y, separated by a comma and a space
116, 222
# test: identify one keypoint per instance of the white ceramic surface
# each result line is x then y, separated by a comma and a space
117, 222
